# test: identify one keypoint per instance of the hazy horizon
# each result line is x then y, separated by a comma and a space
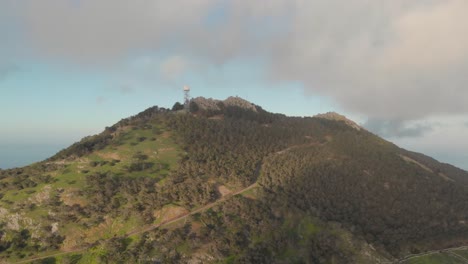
22, 154
17, 155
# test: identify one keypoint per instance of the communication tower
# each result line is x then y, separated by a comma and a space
186, 97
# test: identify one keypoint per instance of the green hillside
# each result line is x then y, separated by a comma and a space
228, 183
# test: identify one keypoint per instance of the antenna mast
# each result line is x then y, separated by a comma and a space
187, 97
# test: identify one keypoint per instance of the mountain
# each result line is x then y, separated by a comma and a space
231, 183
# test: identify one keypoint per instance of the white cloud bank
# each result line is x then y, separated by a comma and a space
389, 60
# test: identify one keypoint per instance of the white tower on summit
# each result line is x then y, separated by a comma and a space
186, 97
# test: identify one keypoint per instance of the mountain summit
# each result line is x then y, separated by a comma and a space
231, 183
217, 105
337, 117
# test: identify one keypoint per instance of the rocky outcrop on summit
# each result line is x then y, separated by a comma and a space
239, 102
207, 103
216, 105
337, 117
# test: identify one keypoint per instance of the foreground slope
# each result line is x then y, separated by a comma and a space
231, 183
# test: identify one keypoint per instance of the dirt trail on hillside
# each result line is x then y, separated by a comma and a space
199, 210
152, 227
447, 250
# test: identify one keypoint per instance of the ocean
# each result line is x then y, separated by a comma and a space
18, 155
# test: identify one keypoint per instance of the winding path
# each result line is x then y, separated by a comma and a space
152, 227
227, 197
446, 250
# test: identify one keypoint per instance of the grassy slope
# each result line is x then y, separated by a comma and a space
441, 258
463, 253
68, 182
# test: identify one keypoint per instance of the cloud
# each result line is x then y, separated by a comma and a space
389, 60
173, 67
397, 128
101, 31
446, 142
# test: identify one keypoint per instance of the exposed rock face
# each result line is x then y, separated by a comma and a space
3, 213
239, 102
207, 103
42, 196
55, 227
337, 117
16, 221
216, 105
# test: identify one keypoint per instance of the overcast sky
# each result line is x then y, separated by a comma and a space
70, 68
